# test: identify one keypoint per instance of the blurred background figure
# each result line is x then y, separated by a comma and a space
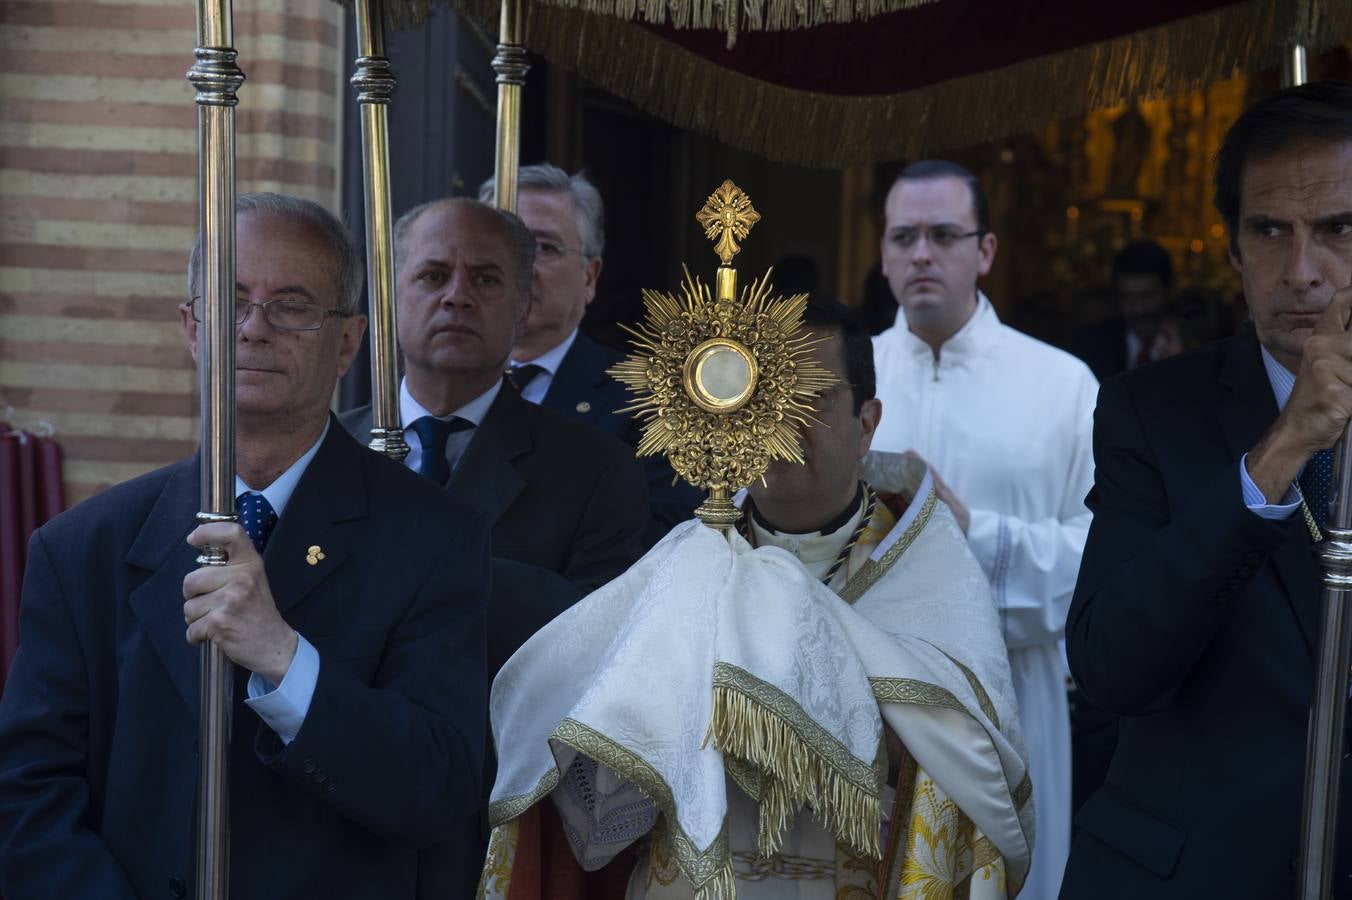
1142, 278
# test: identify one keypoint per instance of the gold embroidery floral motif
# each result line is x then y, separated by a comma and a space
497, 875
946, 857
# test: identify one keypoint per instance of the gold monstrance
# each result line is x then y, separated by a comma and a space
723, 384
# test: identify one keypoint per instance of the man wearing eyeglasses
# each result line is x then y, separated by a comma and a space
352, 606
553, 362
1006, 421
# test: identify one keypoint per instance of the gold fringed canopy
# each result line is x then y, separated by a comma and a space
787, 95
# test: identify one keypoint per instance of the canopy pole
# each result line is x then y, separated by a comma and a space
216, 78
1293, 65
511, 64
1327, 739
374, 83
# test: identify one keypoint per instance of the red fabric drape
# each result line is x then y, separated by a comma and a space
919, 47
546, 870
30, 493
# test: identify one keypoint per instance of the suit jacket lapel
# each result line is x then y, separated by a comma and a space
330, 491
581, 375
485, 477
157, 603
1246, 412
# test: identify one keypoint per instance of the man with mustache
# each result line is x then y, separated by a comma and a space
352, 606
566, 503
1005, 420
1197, 612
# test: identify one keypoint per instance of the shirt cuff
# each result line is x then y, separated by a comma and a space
283, 707
1258, 504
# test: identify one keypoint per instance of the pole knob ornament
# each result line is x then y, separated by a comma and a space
215, 76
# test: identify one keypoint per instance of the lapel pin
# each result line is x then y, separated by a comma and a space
314, 554
584, 407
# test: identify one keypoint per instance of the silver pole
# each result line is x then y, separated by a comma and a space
216, 78
375, 84
511, 64
1294, 70
1327, 739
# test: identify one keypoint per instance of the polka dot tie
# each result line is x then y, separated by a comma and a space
1316, 483
256, 517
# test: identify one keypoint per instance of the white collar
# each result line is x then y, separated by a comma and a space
811, 547
278, 494
975, 336
550, 360
474, 411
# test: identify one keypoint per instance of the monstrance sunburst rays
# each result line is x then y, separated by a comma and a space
722, 427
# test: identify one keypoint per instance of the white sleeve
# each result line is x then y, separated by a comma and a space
1032, 564
601, 813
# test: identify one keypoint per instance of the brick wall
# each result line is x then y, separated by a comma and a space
98, 205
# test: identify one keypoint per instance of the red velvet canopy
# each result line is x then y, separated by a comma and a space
871, 80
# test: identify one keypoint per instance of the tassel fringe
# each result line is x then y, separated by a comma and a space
831, 131
722, 886
793, 775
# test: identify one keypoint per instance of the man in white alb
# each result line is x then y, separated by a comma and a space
1004, 422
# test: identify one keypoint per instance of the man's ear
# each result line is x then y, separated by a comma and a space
593, 275
189, 328
870, 414
349, 341
988, 246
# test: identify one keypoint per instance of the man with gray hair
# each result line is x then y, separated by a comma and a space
553, 363
565, 502
351, 604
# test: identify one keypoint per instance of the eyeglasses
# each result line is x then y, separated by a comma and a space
552, 251
282, 313
940, 236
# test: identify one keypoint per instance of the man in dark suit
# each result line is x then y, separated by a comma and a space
566, 502
352, 605
1142, 277
553, 363
1197, 607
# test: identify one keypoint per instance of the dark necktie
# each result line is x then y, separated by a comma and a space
256, 517
520, 376
1315, 485
432, 434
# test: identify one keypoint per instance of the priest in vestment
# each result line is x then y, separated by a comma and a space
638, 759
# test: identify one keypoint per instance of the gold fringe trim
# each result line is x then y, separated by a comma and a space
792, 775
722, 886
833, 131
746, 15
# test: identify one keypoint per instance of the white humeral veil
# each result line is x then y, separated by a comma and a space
710, 659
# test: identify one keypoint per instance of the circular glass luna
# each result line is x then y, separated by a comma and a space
720, 375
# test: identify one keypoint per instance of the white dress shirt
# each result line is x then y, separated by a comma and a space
549, 362
474, 411
1007, 422
284, 706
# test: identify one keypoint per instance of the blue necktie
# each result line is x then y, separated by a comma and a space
432, 434
1316, 483
256, 517
520, 376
